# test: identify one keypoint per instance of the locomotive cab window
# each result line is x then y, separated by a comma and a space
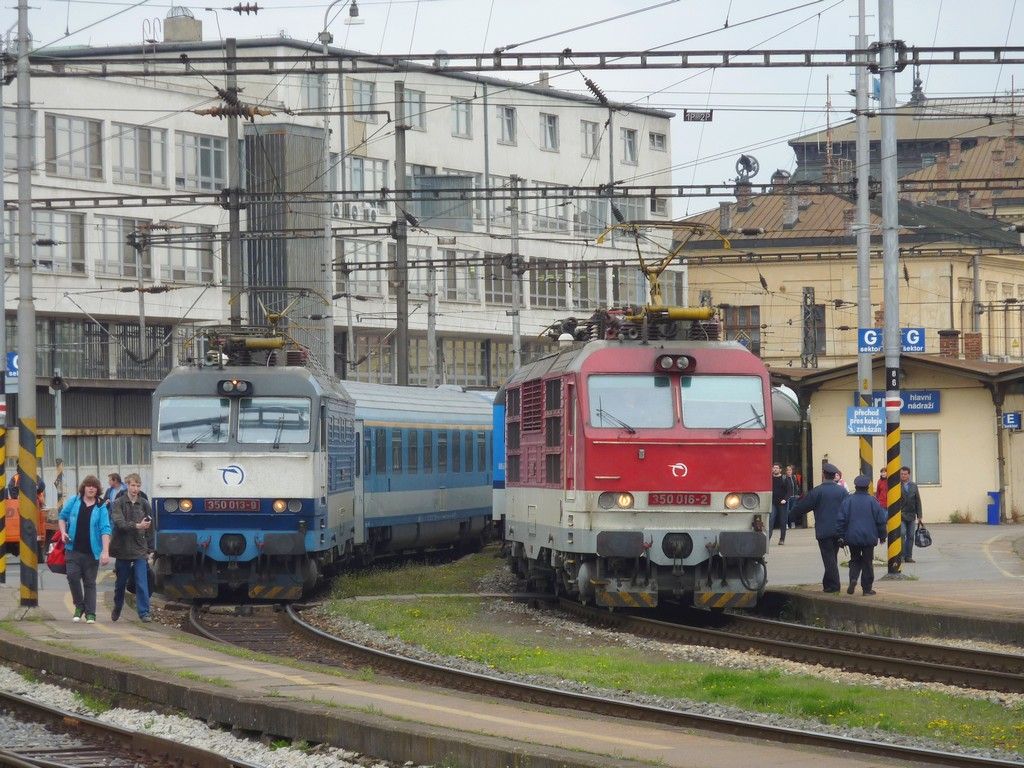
193, 420
723, 402
630, 402
274, 420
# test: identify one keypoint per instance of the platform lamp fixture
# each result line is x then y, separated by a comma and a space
58, 386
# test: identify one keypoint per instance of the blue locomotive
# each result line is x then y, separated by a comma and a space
268, 475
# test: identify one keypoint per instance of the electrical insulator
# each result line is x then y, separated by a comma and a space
246, 9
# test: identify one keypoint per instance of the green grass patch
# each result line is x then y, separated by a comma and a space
210, 680
448, 626
461, 575
94, 704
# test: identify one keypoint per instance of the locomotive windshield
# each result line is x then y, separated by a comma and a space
630, 402
193, 420
723, 402
273, 420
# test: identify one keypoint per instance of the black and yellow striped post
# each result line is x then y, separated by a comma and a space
865, 441
895, 495
29, 512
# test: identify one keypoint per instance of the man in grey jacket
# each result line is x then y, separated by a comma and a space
911, 513
131, 543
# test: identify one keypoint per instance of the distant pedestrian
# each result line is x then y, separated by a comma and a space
824, 500
84, 524
911, 513
882, 488
861, 523
132, 518
116, 488
780, 508
792, 493
841, 482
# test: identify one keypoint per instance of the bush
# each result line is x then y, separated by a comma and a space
960, 517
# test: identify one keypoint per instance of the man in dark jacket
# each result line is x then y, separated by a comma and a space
780, 500
131, 543
825, 499
861, 523
911, 513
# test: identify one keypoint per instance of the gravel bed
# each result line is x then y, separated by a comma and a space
17, 735
555, 625
187, 731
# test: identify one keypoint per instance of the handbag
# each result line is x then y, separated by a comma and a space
922, 538
56, 557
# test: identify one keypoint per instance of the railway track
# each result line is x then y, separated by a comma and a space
869, 654
76, 741
331, 648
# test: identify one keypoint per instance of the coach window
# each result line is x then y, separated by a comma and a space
468, 441
442, 451
630, 402
396, 450
428, 451
723, 402
368, 452
381, 452
359, 466
456, 451
481, 451
414, 451
193, 420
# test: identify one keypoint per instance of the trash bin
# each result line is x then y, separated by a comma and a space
993, 508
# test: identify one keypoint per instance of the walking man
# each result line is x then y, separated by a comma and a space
780, 501
132, 519
861, 523
911, 513
824, 500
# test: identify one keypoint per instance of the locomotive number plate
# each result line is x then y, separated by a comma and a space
679, 499
231, 505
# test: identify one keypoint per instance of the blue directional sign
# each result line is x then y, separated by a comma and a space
913, 400
865, 421
869, 339
1012, 420
912, 339
12, 365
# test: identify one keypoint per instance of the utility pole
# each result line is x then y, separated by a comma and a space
890, 269
28, 469
235, 281
137, 244
517, 275
864, 377
401, 243
809, 353
431, 326
3, 342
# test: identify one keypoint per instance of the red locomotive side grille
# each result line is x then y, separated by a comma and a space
231, 505
679, 499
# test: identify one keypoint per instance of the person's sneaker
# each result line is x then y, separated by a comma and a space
782, 543
90, 618
79, 613
909, 560
145, 618
851, 589
870, 592
116, 613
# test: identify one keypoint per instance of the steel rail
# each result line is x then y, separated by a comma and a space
845, 650
505, 689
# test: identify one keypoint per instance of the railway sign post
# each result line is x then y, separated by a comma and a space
865, 420
698, 115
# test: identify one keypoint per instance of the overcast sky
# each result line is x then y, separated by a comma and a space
756, 111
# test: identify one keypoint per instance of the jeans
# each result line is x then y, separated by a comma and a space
139, 570
908, 529
82, 571
862, 566
829, 548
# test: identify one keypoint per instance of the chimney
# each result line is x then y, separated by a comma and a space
724, 217
880, 316
963, 203
949, 343
543, 80
972, 346
997, 154
744, 199
941, 167
1012, 146
849, 218
954, 153
790, 212
780, 178
181, 27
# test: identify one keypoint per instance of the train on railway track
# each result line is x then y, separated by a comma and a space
268, 475
637, 463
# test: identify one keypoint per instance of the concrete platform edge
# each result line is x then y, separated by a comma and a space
376, 736
896, 621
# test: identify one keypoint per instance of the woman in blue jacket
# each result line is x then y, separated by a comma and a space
85, 527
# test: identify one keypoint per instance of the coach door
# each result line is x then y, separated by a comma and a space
364, 469
569, 441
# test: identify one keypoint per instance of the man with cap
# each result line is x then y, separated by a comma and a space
861, 524
824, 500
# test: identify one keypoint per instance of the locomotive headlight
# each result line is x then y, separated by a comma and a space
666, 363
624, 501
171, 505
751, 501
612, 500
185, 505
280, 505
732, 501
294, 505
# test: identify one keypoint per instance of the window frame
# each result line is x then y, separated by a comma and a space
191, 152
462, 118
630, 146
550, 141
590, 137
415, 105
364, 97
507, 125
66, 163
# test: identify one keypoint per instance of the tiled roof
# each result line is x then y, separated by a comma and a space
1001, 158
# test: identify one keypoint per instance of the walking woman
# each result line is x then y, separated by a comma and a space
84, 523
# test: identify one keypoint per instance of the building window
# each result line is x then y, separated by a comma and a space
313, 92
507, 125
631, 208
351, 254
590, 216
629, 146
462, 118
116, 255
465, 362
552, 210
629, 286
498, 208
547, 283
374, 361
657, 141
819, 329
414, 179
743, 324
497, 282
589, 287
364, 99
188, 254
549, 132
366, 174
201, 161
920, 452
659, 206
415, 109
673, 288
67, 230
139, 155
74, 147
418, 276
462, 281
591, 137
469, 179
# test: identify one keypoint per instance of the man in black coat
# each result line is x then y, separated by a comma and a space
780, 499
824, 500
861, 524
911, 513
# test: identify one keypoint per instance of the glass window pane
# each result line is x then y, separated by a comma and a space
724, 402
926, 451
274, 420
630, 402
193, 420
